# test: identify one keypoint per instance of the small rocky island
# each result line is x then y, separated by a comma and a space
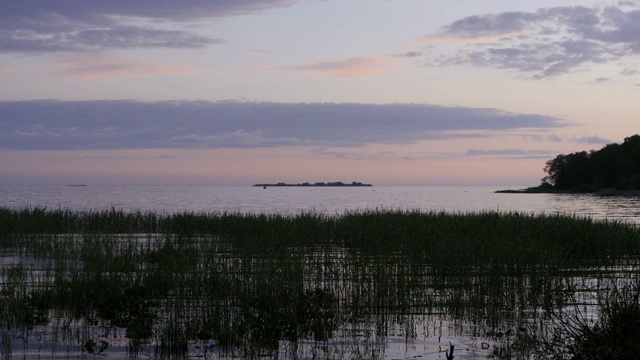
318, 184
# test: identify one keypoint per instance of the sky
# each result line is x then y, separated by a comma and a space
238, 92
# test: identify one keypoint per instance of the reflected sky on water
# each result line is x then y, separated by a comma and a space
331, 200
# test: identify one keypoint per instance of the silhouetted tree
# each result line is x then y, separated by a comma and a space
630, 177
615, 165
607, 165
569, 171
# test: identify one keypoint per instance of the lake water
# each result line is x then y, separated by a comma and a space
332, 200
433, 335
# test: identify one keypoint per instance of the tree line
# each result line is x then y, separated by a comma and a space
615, 166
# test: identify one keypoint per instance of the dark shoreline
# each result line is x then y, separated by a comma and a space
318, 184
602, 192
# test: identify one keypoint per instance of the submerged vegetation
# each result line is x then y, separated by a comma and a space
306, 285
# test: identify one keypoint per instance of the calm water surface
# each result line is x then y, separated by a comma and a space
434, 336
333, 200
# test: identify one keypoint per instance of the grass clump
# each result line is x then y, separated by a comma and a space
611, 332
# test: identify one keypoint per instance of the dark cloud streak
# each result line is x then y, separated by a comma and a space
42, 26
57, 125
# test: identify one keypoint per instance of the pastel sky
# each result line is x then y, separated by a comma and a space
236, 92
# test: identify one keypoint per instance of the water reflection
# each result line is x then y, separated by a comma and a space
246, 199
612, 207
170, 296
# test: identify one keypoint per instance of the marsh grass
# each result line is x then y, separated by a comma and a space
577, 334
253, 282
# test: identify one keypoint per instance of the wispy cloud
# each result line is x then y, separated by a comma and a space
410, 54
592, 140
103, 66
453, 40
354, 67
512, 153
42, 26
548, 42
51, 125
601, 80
629, 71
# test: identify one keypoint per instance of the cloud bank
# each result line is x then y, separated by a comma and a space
42, 26
548, 42
65, 125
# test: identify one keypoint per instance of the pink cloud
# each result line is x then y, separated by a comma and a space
354, 67
103, 71
108, 66
6, 68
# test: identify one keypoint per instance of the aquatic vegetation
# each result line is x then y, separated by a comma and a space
257, 285
614, 334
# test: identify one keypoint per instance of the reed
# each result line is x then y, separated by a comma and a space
253, 282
